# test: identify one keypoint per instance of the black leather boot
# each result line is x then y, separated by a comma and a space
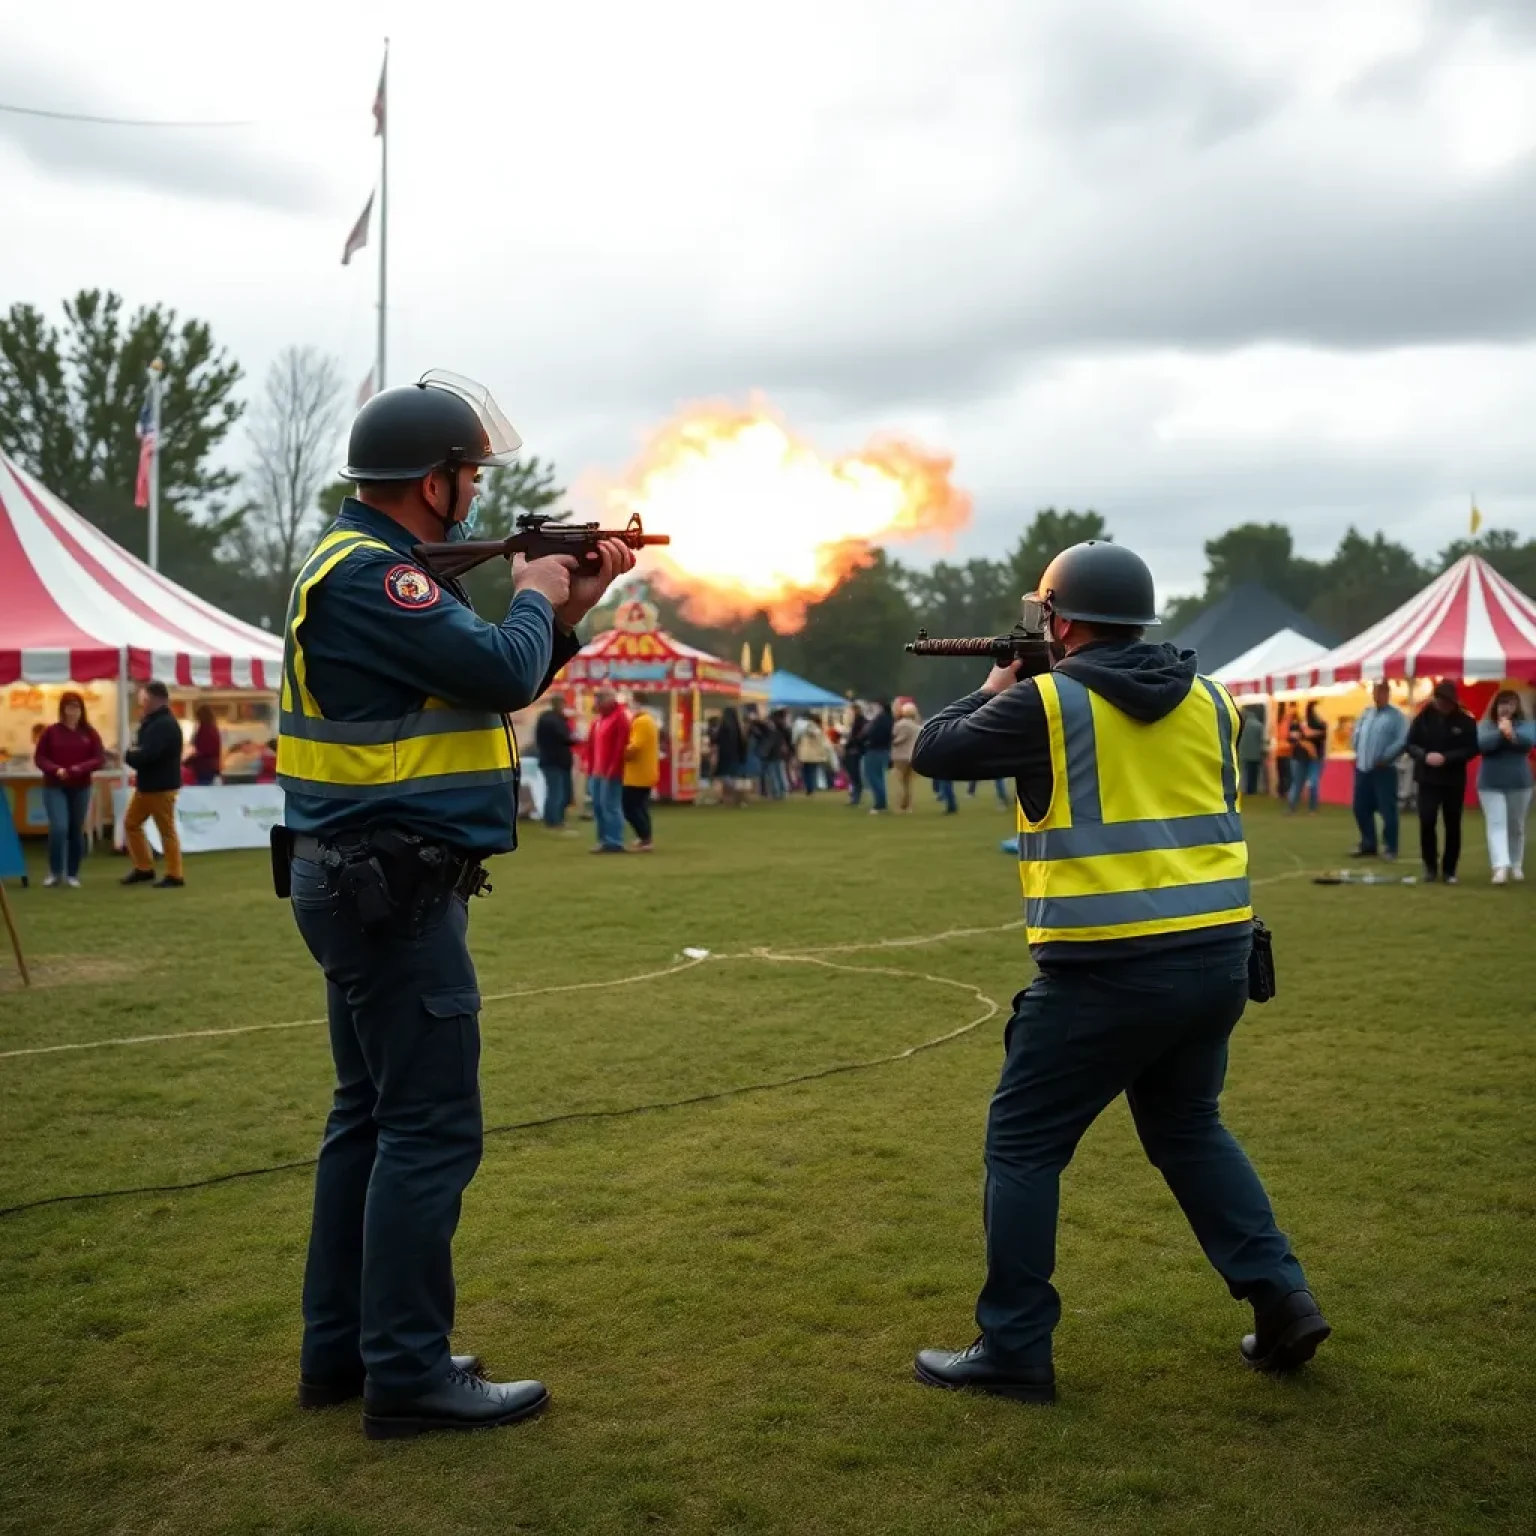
460, 1401
1286, 1335
975, 1370
335, 1390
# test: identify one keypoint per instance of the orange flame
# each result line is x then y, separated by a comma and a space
760, 520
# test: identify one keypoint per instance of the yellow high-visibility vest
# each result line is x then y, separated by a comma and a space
1144, 833
433, 748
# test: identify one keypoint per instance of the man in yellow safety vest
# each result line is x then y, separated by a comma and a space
1135, 880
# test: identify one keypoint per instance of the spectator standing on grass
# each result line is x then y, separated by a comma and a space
155, 758
1134, 871
1280, 746
610, 735
781, 754
642, 770
1379, 738
999, 787
1442, 741
730, 757
207, 757
1309, 744
853, 755
1505, 740
877, 754
813, 752
904, 729
555, 751
1251, 747
68, 752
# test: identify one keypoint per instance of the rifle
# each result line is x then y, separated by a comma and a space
535, 534
1020, 644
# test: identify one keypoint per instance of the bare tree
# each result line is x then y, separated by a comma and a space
294, 432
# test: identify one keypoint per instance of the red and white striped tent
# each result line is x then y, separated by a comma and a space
77, 608
1469, 623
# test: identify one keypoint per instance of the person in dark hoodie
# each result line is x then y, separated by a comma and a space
1442, 741
1135, 876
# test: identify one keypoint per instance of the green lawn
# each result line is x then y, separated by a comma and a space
725, 1297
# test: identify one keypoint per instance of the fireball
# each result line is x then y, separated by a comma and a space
761, 521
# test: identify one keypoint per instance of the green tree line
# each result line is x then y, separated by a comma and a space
70, 395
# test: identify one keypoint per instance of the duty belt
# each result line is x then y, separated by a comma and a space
412, 864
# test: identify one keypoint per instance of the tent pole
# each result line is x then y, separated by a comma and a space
122, 730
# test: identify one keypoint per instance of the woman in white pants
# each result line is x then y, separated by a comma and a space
1505, 739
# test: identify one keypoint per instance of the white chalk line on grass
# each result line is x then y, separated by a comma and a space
803, 954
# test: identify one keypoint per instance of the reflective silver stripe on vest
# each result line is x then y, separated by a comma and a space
1130, 837
379, 733
476, 779
1224, 731
1119, 908
1081, 750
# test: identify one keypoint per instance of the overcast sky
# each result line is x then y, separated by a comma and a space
1192, 262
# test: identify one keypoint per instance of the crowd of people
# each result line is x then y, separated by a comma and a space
749, 754
1423, 763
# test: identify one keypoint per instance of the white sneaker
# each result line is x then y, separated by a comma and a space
72, 883
51, 880
1500, 875
1517, 873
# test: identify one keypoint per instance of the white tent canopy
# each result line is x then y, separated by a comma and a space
1283, 651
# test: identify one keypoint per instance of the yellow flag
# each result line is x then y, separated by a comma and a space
765, 661
746, 657
1477, 518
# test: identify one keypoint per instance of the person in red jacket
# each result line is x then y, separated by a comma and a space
68, 753
207, 757
610, 735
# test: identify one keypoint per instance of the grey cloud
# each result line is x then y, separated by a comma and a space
220, 165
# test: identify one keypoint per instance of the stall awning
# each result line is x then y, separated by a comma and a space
74, 602
1468, 623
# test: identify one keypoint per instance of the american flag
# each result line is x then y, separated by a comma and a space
146, 434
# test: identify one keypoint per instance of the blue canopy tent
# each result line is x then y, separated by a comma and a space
786, 691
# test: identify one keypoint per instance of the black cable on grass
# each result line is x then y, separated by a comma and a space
569, 1117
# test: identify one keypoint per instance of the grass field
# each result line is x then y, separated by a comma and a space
725, 1297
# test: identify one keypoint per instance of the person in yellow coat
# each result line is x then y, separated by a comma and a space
642, 769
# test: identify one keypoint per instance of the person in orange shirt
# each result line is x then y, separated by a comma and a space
642, 769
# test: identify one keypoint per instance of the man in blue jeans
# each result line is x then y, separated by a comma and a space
552, 742
1380, 738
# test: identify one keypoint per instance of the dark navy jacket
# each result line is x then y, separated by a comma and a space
369, 658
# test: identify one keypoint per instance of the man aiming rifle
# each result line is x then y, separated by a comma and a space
1135, 880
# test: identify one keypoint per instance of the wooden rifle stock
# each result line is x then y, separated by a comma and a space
1027, 646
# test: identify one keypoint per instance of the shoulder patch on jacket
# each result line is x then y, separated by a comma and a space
408, 587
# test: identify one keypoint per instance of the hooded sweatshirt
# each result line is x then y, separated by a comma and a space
998, 736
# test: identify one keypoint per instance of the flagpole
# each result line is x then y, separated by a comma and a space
156, 369
380, 382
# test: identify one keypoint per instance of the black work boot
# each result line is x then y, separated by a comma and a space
331, 1391
973, 1368
460, 1401
1286, 1335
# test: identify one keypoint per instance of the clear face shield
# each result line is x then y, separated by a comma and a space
1034, 611
502, 440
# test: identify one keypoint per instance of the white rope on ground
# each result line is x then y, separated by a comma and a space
807, 955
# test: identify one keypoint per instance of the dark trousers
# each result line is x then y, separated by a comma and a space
637, 810
853, 762
557, 795
1443, 801
1155, 1030
1376, 795
1253, 778
944, 792
402, 1141
66, 806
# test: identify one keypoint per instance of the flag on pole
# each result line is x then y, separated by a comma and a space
1477, 518
378, 101
365, 390
146, 435
359, 236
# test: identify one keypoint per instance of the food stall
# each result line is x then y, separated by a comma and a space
81, 614
677, 683
1469, 624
